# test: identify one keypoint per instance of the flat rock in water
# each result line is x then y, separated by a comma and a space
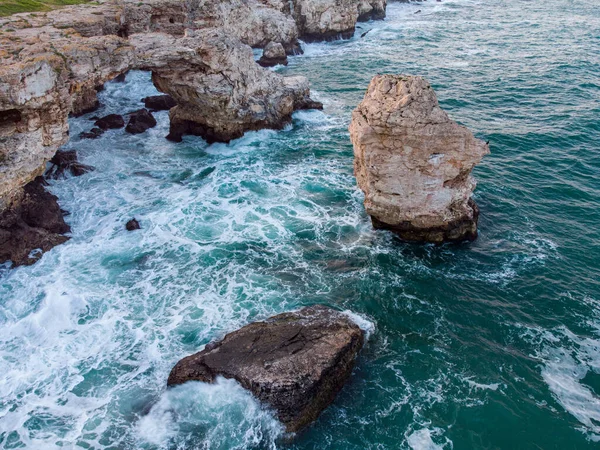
295, 362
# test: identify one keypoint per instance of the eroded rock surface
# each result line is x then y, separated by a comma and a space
53, 64
66, 161
295, 362
273, 54
414, 163
159, 102
33, 224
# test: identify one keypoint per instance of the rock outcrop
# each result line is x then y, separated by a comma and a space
414, 163
296, 362
320, 20
33, 224
140, 121
110, 122
159, 102
219, 89
66, 161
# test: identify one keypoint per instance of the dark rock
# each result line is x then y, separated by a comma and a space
10, 116
295, 362
309, 103
110, 122
94, 133
120, 78
294, 48
179, 128
159, 102
459, 230
66, 160
133, 224
140, 121
328, 36
35, 221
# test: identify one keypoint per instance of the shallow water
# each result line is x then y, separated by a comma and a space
495, 344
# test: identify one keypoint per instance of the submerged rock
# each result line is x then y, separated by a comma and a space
414, 163
32, 225
94, 133
140, 121
295, 362
159, 102
110, 122
273, 54
66, 161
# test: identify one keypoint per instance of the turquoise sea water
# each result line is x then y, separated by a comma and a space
494, 344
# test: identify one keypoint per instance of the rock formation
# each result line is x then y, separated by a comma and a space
273, 54
219, 89
110, 122
132, 225
159, 102
414, 163
66, 161
53, 64
320, 20
140, 121
296, 362
32, 224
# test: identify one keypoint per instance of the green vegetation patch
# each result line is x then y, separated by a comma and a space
8, 7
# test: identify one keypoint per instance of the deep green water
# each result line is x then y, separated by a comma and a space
491, 345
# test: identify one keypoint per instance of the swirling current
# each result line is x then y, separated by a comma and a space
494, 344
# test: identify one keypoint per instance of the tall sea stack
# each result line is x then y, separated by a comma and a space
414, 163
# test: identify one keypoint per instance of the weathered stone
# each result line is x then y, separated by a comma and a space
66, 160
54, 63
273, 54
323, 20
159, 102
112, 121
220, 90
295, 362
33, 222
414, 163
140, 121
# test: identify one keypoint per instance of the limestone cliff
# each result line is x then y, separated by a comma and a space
53, 64
414, 163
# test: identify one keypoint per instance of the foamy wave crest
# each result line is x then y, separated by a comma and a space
422, 439
222, 415
363, 323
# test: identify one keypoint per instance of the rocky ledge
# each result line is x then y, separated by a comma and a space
414, 163
295, 362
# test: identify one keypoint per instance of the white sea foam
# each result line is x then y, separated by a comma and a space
421, 440
222, 415
364, 324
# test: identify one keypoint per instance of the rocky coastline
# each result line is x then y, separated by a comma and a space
412, 161
199, 53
